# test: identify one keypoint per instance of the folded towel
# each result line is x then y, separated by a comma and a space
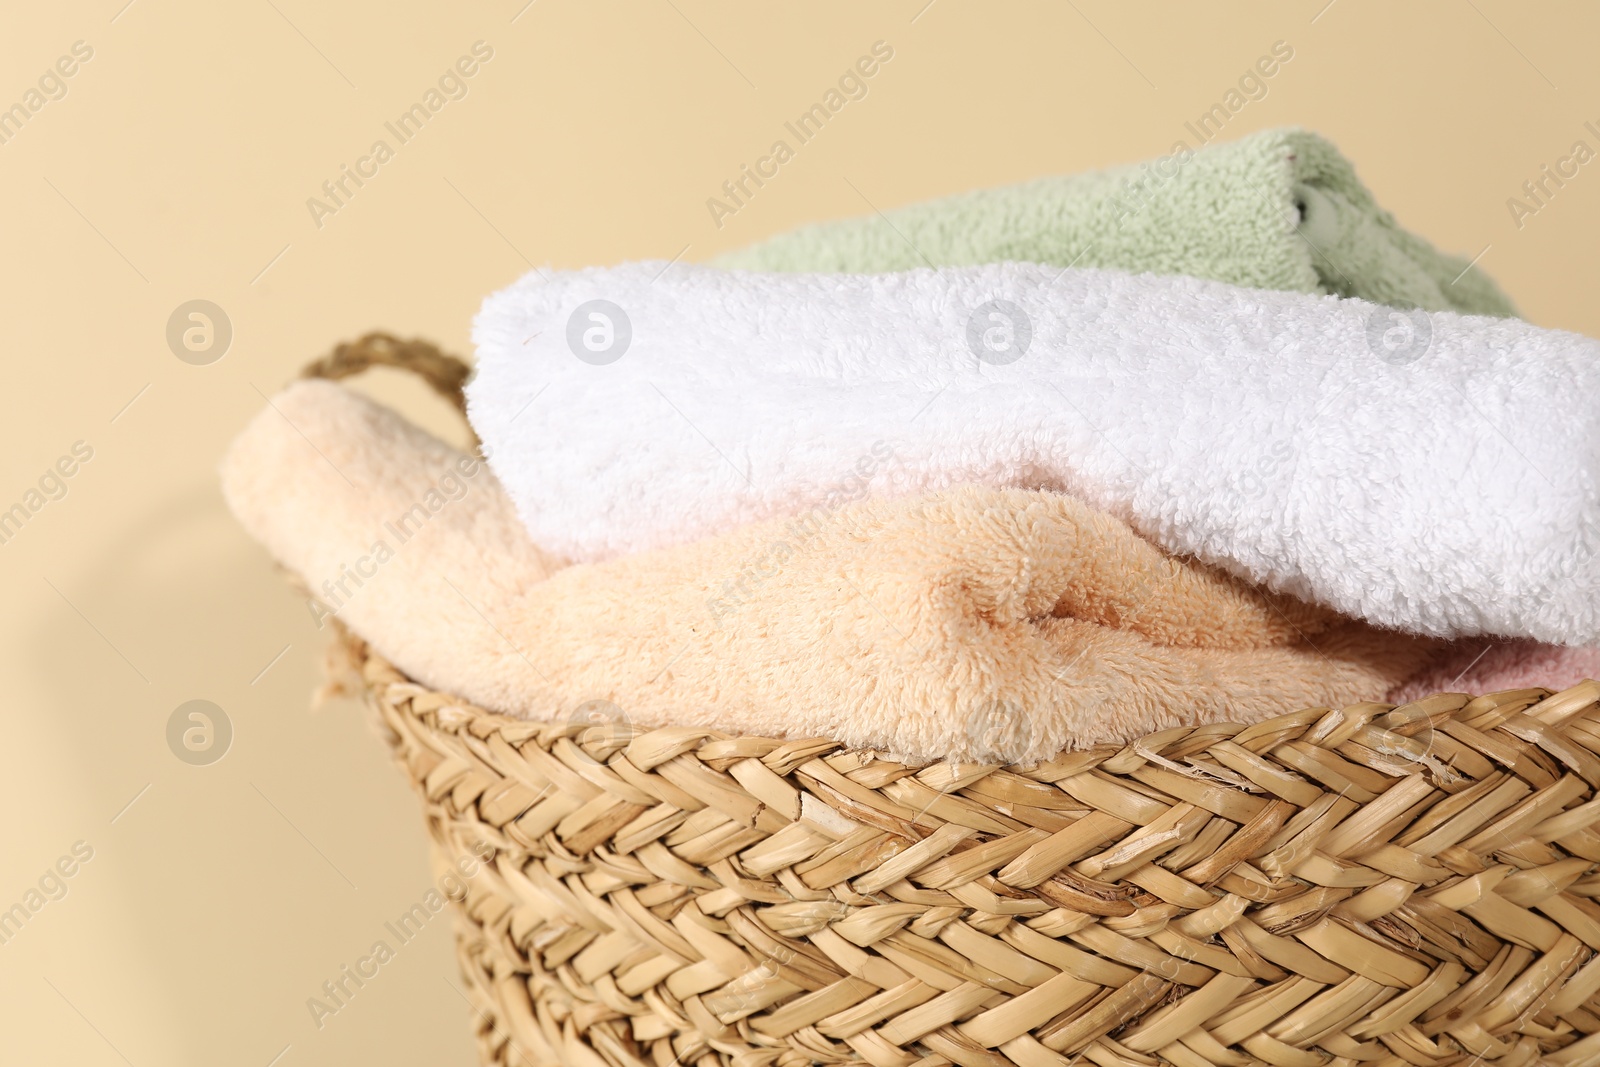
1280, 209
968, 624
1438, 481
1491, 667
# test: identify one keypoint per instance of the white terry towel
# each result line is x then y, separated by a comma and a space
1430, 472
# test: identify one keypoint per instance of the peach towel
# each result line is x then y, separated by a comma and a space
966, 624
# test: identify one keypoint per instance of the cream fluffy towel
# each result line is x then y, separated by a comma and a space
967, 624
1430, 472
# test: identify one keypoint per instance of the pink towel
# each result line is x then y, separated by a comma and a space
1483, 665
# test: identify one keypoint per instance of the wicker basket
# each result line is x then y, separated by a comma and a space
1371, 885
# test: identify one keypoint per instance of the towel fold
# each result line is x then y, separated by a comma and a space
1279, 209
1427, 472
966, 624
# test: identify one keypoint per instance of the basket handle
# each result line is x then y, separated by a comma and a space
447, 374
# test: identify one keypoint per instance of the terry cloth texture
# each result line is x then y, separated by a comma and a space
1425, 471
967, 624
1491, 667
1280, 209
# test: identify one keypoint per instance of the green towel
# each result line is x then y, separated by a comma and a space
1281, 209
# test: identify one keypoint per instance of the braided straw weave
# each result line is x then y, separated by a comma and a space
1370, 885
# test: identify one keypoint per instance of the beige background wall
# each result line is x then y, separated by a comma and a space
177, 166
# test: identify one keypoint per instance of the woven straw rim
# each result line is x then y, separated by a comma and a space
1363, 885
